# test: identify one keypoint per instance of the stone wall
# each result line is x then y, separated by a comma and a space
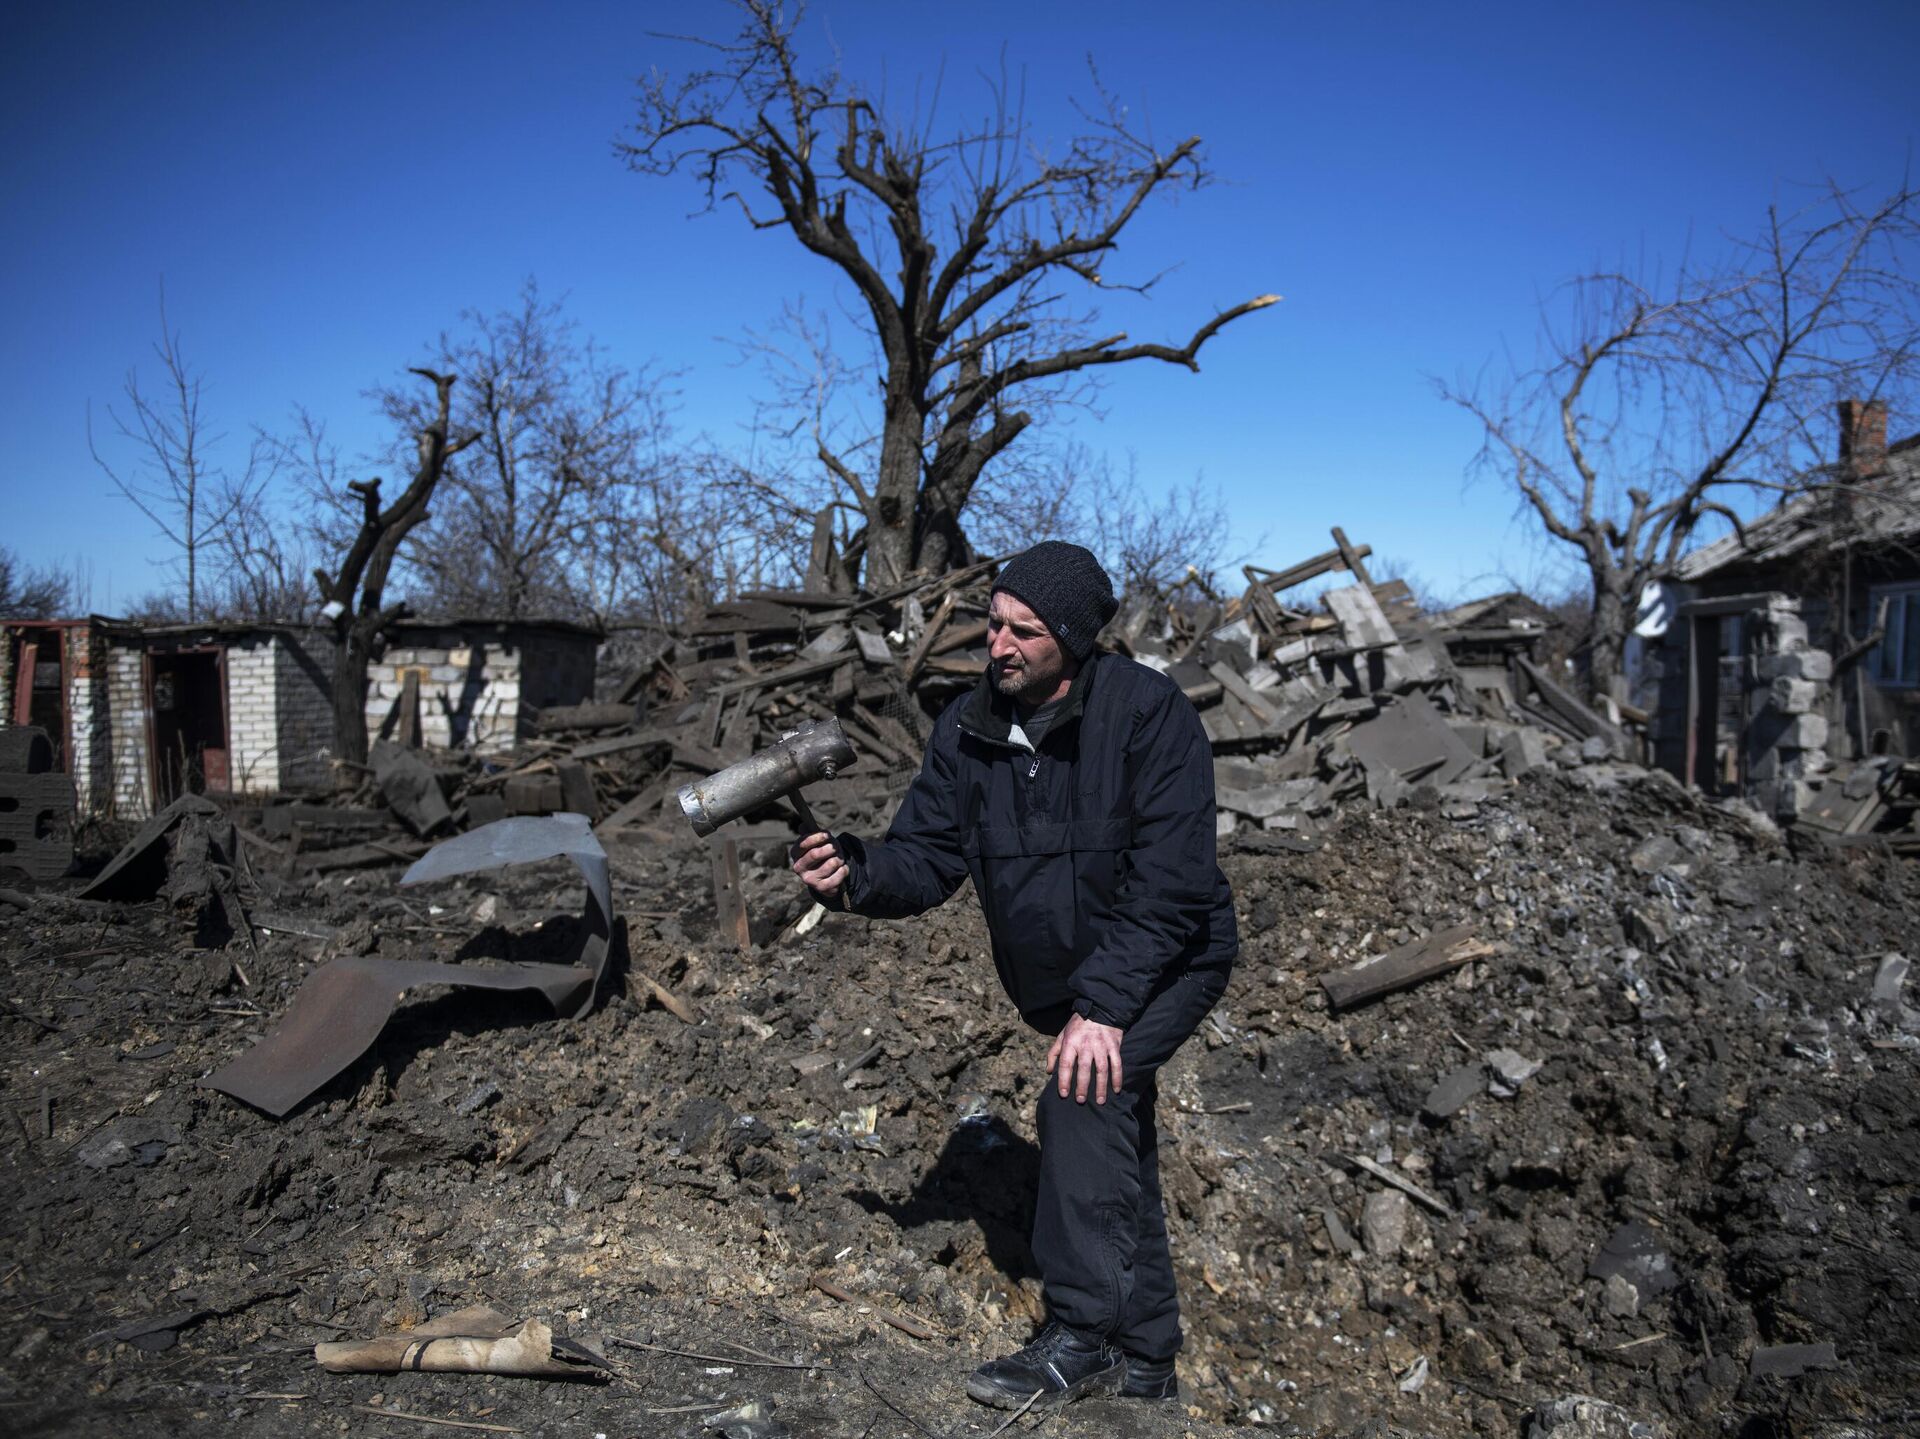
1787, 726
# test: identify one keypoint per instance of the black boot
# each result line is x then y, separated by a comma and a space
1150, 1379
1059, 1366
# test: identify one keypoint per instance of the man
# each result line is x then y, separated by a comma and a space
1076, 788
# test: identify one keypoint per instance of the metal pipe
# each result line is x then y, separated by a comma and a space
815, 751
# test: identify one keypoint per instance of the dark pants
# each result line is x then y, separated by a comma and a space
1099, 1230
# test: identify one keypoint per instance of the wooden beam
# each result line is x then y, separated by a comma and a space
1438, 953
728, 903
1351, 557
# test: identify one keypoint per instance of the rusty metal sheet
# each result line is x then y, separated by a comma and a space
341, 1009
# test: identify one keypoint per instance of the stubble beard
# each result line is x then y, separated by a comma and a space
1013, 683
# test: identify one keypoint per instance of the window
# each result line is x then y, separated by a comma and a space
1895, 661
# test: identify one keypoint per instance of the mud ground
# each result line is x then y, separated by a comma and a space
854, 1105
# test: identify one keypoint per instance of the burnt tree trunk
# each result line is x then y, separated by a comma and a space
355, 594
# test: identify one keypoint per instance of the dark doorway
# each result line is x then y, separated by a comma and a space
39, 686
187, 697
1717, 705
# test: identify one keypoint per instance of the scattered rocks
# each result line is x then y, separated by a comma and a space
1384, 1223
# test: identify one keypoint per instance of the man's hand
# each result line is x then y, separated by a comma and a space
820, 867
1086, 1053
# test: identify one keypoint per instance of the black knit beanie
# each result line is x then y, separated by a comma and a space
1065, 586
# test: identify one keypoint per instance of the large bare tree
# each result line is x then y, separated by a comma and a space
1656, 404
966, 254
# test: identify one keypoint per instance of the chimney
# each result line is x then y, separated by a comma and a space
1863, 437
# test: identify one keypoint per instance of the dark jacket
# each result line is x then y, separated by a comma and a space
1093, 858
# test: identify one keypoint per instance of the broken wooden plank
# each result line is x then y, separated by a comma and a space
1279, 581
582, 716
1262, 710
729, 904
1562, 701
1422, 959
804, 669
927, 638
1351, 556
621, 743
958, 665
576, 788
409, 730
874, 648
905, 1323
1405, 1186
638, 808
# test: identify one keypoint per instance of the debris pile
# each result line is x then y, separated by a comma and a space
1362, 699
1590, 1105
1876, 803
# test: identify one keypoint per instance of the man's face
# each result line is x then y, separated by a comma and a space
1028, 664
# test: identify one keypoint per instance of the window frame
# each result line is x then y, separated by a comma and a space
1902, 615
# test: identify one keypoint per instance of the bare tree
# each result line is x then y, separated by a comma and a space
31, 594
1654, 404
537, 516
1149, 545
169, 473
355, 593
958, 249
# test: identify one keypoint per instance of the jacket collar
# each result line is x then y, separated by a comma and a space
989, 715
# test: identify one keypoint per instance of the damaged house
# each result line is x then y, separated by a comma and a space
139, 715
1791, 651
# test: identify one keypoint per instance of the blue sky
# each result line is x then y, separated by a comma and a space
325, 188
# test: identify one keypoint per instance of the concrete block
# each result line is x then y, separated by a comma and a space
1524, 749
1793, 696
1473, 736
1808, 731
462, 656
1789, 632
1815, 665
446, 674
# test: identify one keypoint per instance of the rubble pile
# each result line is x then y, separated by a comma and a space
1363, 698
1549, 1098
1613, 1129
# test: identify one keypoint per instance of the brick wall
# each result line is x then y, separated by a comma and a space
6, 675
130, 790
253, 731
469, 690
303, 675
89, 720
